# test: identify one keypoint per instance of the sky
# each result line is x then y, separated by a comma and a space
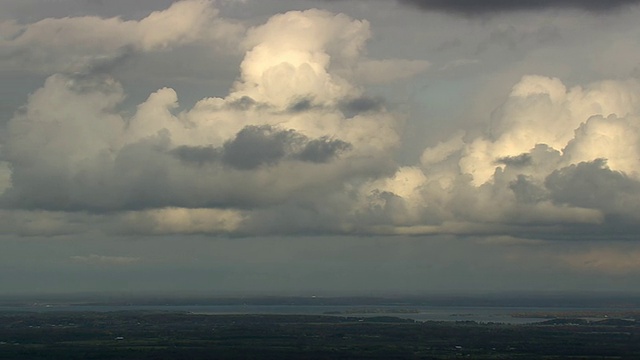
319, 146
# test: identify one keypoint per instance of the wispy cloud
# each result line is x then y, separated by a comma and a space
94, 259
603, 260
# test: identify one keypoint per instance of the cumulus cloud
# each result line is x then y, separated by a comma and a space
295, 125
542, 110
552, 158
89, 43
299, 145
83, 155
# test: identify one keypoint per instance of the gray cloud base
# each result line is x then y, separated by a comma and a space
471, 7
487, 6
298, 145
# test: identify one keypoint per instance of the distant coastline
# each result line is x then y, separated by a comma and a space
373, 311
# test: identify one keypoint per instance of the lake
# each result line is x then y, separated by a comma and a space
482, 314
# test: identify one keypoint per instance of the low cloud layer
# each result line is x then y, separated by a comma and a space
471, 7
486, 6
606, 261
94, 259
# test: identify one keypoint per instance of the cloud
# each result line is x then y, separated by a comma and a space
486, 6
254, 146
238, 163
299, 145
542, 110
594, 185
322, 150
553, 160
603, 260
89, 43
94, 259
519, 160
389, 70
265, 145
471, 7
295, 125
506, 240
32, 223
179, 221
157, 159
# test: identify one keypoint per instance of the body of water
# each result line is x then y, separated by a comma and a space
418, 313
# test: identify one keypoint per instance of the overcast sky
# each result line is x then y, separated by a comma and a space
319, 146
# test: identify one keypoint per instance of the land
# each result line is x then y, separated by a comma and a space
182, 335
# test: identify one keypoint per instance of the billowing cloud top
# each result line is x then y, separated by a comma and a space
298, 145
294, 128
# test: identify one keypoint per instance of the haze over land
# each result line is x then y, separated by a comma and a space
317, 146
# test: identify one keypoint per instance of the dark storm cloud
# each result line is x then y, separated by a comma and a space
349, 107
594, 185
259, 145
107, 64
526, 191
301, 105
197, 154
322, 150
516, 161
243, 104
363, 104
486, 6
256, 146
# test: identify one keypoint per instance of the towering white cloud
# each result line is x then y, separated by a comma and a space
542, 110
294, 131
290, 56
551, 156
298, 144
